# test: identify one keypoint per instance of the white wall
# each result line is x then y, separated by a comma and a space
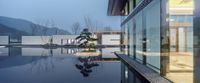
67, 39
113, 39
41, 40
35, 40
4, 40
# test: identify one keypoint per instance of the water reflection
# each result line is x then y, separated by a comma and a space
86, 64
60, 65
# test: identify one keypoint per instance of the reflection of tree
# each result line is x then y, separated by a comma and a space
41, 29
42, 64
87, 63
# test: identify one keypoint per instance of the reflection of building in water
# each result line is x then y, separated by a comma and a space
64, 51
161, 35
4, 51
14, 51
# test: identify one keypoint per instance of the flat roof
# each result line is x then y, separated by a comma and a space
115, 7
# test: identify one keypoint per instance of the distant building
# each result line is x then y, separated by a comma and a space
55, 39
35, 40
64, 39
4, 40
108, 37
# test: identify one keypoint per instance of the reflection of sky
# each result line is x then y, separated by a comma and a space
63, 12
48, 69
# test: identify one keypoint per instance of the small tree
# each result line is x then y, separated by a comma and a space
86, 39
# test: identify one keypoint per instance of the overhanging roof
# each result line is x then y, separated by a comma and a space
115, 7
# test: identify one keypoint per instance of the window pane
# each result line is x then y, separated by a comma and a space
153, 34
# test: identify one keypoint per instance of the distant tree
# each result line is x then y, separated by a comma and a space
76, 28
107, 28
34, 29
90, 25
40, 29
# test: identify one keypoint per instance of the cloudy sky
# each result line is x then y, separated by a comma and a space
63, 12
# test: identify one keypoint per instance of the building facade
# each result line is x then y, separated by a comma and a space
4, 40
162, 35
54, 39
113, 39
108, 37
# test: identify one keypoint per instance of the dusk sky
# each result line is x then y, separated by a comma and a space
63, 12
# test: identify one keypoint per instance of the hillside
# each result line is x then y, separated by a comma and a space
17, 25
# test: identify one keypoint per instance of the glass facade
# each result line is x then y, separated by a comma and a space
139, 37
152, 30
163, 41
144, 36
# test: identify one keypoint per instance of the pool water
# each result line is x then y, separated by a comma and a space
60, 65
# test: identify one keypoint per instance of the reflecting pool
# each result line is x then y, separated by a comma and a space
59, 65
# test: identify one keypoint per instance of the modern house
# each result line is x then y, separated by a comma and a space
54, 39
108, 37
160, 38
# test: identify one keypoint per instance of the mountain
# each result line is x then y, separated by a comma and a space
4, 30
27, 27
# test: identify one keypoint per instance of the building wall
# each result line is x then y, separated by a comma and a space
4, 40
110, 39
64, 39
35, 40
56, 39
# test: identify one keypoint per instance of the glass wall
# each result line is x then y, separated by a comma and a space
139, 37
144, 36
152, 25
131, 39
125, 38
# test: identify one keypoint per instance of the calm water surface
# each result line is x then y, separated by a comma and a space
39, 65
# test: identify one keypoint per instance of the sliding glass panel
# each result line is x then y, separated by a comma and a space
139, 36
152, 14
131, 39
